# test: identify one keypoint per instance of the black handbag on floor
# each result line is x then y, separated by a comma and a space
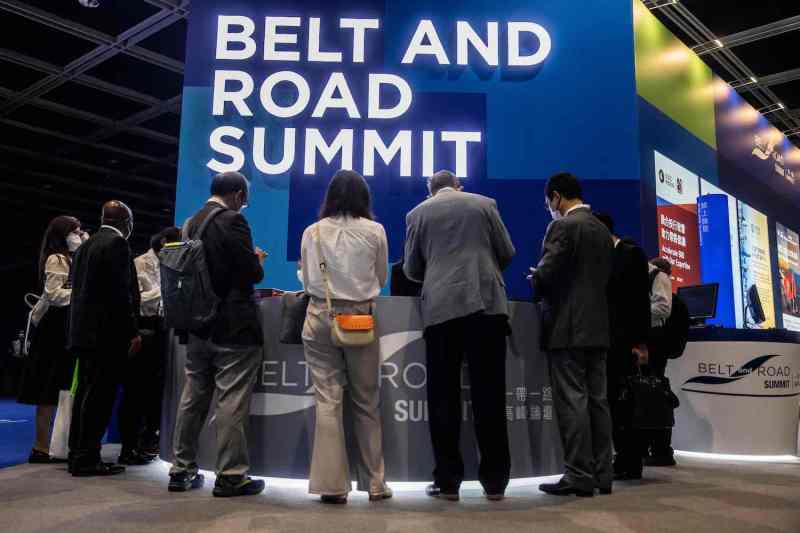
652, 402
293, 316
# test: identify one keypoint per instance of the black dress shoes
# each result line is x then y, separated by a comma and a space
184, 481
434, 491
627, 476
562, 488
334, 499
134, 458
39, 458
247, 486
95, 470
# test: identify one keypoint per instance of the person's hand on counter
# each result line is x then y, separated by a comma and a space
262, 255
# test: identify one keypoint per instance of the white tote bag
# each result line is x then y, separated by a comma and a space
59, 442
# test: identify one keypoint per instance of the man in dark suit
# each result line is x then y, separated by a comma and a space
629, 316
457, 246
400, 285
572, 278
103, 333
227, 356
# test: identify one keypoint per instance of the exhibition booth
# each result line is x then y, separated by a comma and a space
505, 95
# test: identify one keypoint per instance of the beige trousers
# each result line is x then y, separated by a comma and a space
334, 370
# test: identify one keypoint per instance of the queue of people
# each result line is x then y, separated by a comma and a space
599, 298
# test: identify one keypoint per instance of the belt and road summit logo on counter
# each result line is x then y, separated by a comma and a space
765, 375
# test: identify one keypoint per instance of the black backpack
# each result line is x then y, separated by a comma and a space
674, 334
190, 303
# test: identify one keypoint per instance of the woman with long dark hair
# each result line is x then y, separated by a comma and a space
48, 369
354, 250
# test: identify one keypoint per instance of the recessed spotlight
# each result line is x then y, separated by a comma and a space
89, 3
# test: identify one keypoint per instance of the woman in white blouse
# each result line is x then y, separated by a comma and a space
49, 367
354, 249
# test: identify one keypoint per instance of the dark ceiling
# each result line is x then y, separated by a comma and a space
90, 101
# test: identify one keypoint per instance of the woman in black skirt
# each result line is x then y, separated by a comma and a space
48, 368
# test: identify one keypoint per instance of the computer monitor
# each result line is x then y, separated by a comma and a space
700, 300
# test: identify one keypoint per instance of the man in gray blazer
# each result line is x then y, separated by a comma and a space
572, 279
457, 246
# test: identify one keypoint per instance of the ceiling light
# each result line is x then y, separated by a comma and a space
659, 5
89, 3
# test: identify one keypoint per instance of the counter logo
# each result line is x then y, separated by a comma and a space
274, 404
750, 367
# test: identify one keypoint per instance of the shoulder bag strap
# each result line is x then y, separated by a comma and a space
324, 268
214, 212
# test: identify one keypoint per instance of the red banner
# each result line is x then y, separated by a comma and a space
679, 243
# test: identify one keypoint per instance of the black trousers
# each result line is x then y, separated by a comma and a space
143, 385
98, 382
481, 341
657, 442
628, 442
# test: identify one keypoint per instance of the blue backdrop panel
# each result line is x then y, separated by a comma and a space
576, 111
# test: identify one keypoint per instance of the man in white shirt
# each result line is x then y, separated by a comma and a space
151, 362
659, 442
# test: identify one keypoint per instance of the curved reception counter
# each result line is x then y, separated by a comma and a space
282, 414
739, 392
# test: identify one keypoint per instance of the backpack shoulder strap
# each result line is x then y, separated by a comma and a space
214, 212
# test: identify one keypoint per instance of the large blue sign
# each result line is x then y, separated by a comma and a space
503, 94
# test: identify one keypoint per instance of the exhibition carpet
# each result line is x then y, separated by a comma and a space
16, 431
697, 497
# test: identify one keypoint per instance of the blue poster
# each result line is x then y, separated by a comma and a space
716, 264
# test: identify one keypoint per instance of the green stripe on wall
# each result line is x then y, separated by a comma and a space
672, 77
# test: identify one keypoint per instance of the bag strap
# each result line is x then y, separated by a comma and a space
199, 233
324, 268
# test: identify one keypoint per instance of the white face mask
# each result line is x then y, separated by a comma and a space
300, 276
74, 242
555, 213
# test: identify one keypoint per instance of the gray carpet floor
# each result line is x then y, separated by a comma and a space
695, 497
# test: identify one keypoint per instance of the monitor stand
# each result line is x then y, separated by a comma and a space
697, 323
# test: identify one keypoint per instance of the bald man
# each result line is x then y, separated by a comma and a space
103, 334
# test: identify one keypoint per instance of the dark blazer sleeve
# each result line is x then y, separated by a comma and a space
240, 246
120, 286
557, 252
501, 240
638, 279
414, 262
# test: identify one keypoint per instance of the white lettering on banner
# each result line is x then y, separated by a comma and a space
515, 59
425, 31
373, 143
336, 83
303, 94
273, 38
489, 51
314, 52
244, 37
236, 41
343, 142
359, 27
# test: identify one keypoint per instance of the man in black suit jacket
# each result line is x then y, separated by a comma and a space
629, 314
572, 278
227, 356
103, 333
